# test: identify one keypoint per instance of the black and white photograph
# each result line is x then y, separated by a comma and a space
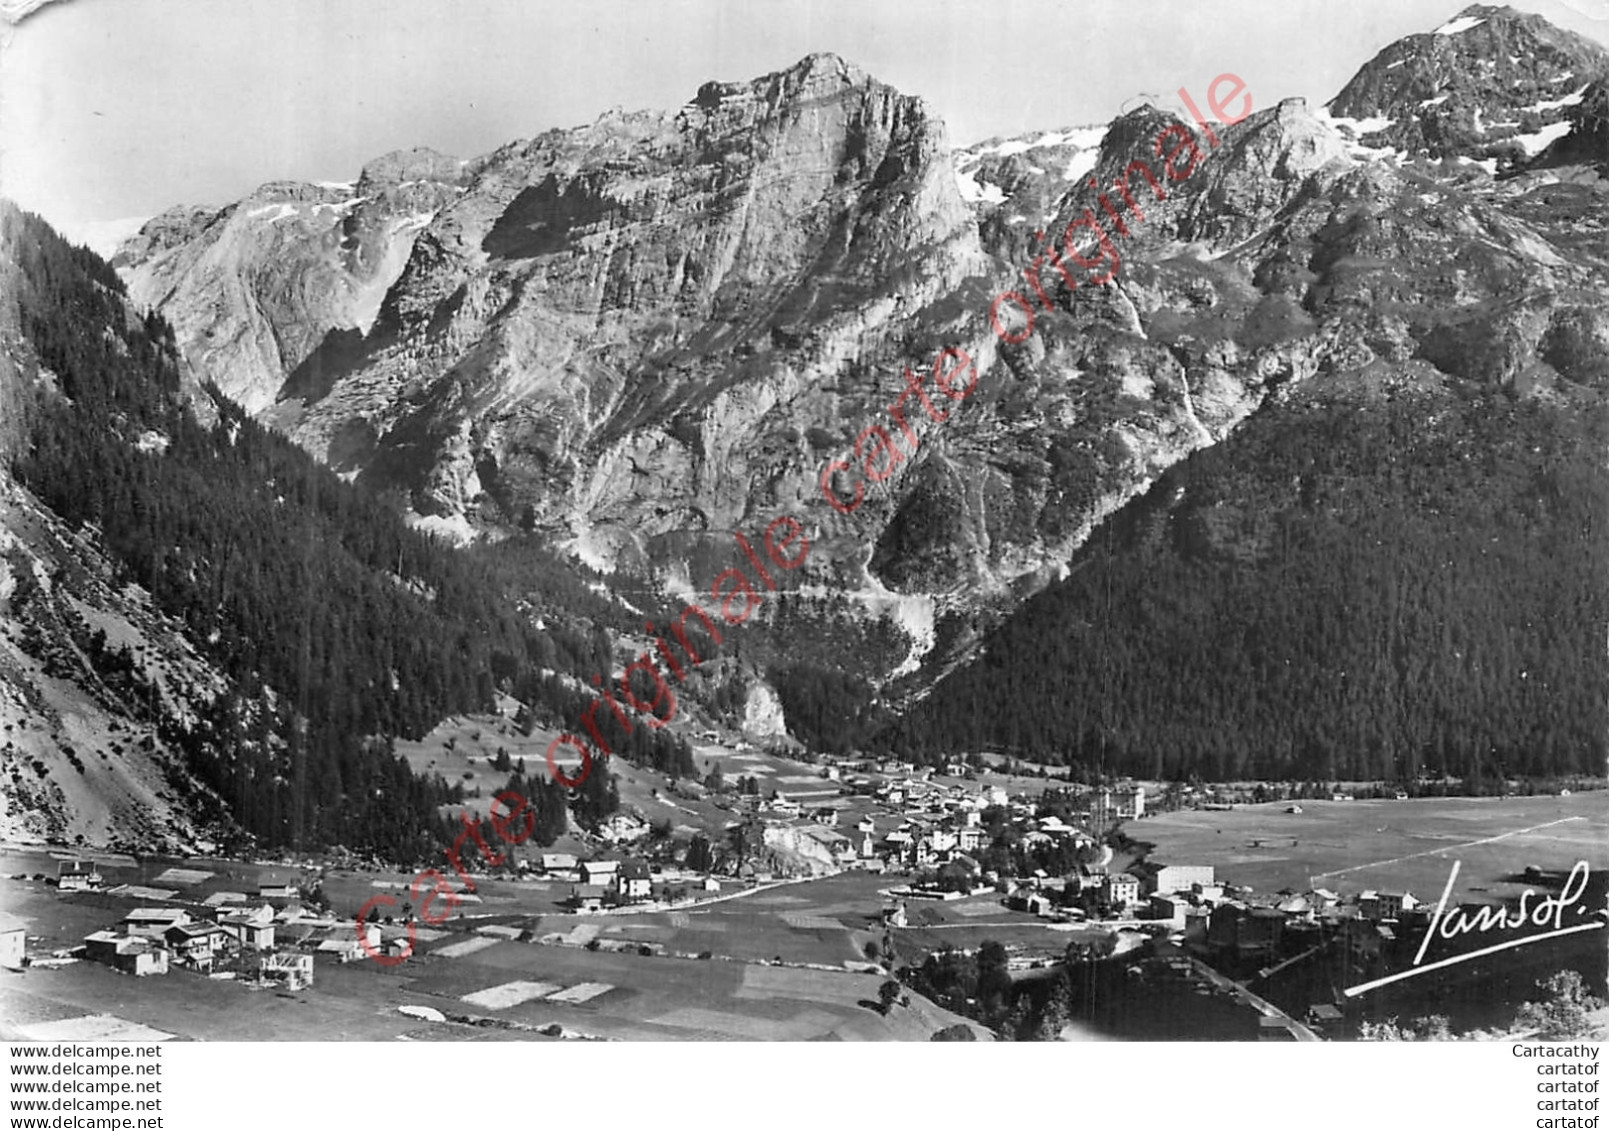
526, 523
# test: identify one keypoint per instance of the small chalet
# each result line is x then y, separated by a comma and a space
154, 922
633, 880
587, 897
137, 956
345, 948
558, 862
599, 873
249, 931
1324, 1015
195, 944
78, 875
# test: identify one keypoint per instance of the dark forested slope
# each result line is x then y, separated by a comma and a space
337, 626
1352, 586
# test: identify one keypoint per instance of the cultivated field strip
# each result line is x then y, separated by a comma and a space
1444, 849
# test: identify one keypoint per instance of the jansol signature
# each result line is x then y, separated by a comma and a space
1550, 912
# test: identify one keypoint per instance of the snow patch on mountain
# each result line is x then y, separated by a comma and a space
1460, 25
1558, 103
1535, 143
272, 213
974, 192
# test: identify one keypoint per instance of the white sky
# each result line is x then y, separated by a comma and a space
118, 108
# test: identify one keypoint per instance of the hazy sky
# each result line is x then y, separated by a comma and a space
118, 108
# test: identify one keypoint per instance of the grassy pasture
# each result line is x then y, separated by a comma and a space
1351, 846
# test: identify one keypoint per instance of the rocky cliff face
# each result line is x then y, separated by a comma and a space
254, 287
643, 334
599, 333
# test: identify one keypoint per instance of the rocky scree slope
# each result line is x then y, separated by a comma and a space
94, 679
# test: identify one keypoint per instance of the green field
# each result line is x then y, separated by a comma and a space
1350, 846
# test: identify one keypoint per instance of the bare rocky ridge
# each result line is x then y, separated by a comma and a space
255, 287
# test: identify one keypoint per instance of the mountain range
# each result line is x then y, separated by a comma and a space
621, 343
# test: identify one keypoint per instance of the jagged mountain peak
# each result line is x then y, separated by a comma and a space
767, 229
819, 66
823, 91
420, 163
254, 286
816, 69
1492, 84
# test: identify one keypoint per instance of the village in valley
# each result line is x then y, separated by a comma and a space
794, 896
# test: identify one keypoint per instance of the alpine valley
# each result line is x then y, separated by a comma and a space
1313, 487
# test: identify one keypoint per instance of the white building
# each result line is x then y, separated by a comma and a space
1170, 878
13, 939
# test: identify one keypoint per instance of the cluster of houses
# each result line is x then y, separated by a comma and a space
939, 823
828, 826
1155, 895
1238, 929
271, 937
942, 825
1191, 898
1243, 931
598, 884
936, 824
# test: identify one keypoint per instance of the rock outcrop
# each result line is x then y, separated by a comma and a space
254, 288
